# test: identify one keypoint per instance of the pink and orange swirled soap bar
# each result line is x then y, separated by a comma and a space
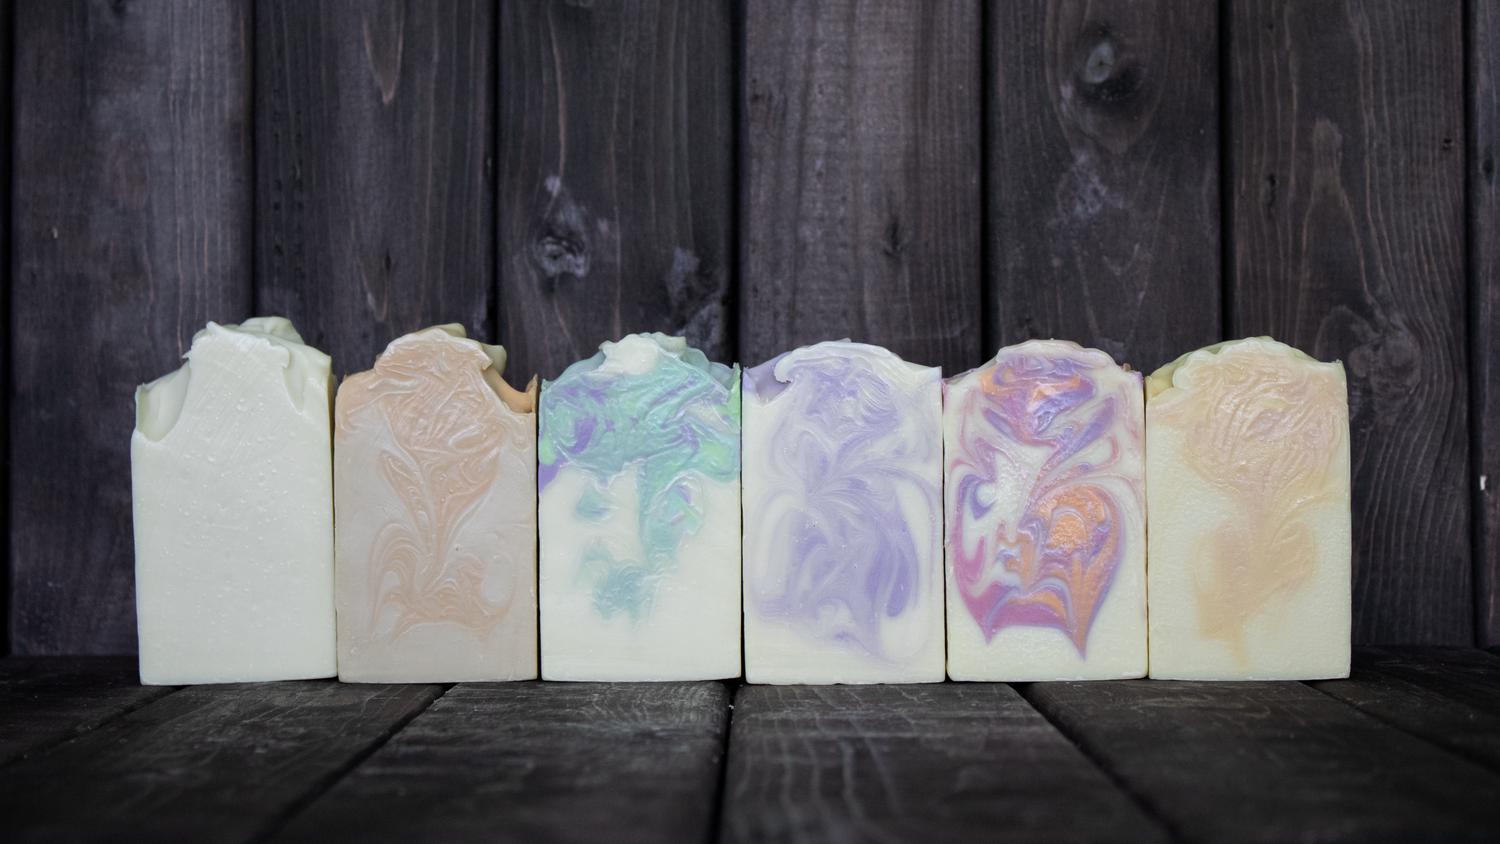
435, 538
1247, 475
1046, 527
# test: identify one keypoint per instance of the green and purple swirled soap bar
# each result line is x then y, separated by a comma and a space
638, 482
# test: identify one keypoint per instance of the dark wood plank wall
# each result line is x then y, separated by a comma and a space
940, 178
1347, 140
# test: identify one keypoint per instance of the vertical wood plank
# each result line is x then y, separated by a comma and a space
1103, 145
1347, 137
862, 178
374, 145
616, 176
132, 229
1483, 26
7, 102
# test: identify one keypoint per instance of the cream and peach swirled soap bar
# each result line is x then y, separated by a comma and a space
435, 489
639, 515
843, 518
1247, 479
1045, 506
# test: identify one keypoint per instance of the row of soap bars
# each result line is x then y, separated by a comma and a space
834, 515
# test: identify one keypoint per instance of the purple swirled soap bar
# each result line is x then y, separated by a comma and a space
1046, 528
843, 526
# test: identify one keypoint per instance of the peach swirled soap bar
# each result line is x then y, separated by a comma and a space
843, 521
232, 487
435, 468
639, 515
1045, 509
1247, 480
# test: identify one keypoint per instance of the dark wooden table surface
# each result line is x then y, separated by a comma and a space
1406, 749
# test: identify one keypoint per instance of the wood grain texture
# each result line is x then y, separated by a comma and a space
616, 176
1447, 696
501, 762
205, 764
1103, 144
374, 167
1260, 761
45, 700
941, 762
1347, 136
132, 230
7, 101
1483, 25
861, 199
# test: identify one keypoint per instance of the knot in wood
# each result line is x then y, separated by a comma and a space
557, 254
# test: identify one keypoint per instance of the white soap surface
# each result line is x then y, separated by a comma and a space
232, 486
1046, 519
435, 487
843, 523
639, 515
1248, 489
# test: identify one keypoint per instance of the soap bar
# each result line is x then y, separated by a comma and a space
435, 489
1045, 506
639, 515
843, 518
232, 486
1247, 482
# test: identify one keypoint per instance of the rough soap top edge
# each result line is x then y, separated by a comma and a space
521, 401
1165, 377
771, 378
1093, 358
676, 348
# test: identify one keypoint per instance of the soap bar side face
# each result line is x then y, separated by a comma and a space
638, 471
436, 493
842, 536
1248, 486
1045, 509
233, 509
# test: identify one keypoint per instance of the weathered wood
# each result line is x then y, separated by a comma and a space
1230, 762
943, 762
45, 700
535, 761
616, 176
132, 229
1103, 144
7, 88
1483, 25
205, 764
374, 150
862, 196
1347, 125
1448, 696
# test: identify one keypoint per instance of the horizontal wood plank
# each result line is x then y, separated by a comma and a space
45, 700
500, 762
205, 764
1448, 696
941, 762
1231, 762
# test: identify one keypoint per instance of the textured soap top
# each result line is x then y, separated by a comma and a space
437, 423
847, 531
1266, 427
1039, 445
650, 400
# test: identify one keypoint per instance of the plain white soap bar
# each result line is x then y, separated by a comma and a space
232, 483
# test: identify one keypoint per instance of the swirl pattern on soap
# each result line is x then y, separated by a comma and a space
677, 427
1037, 532
845, 476
448, 433
1266, 430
